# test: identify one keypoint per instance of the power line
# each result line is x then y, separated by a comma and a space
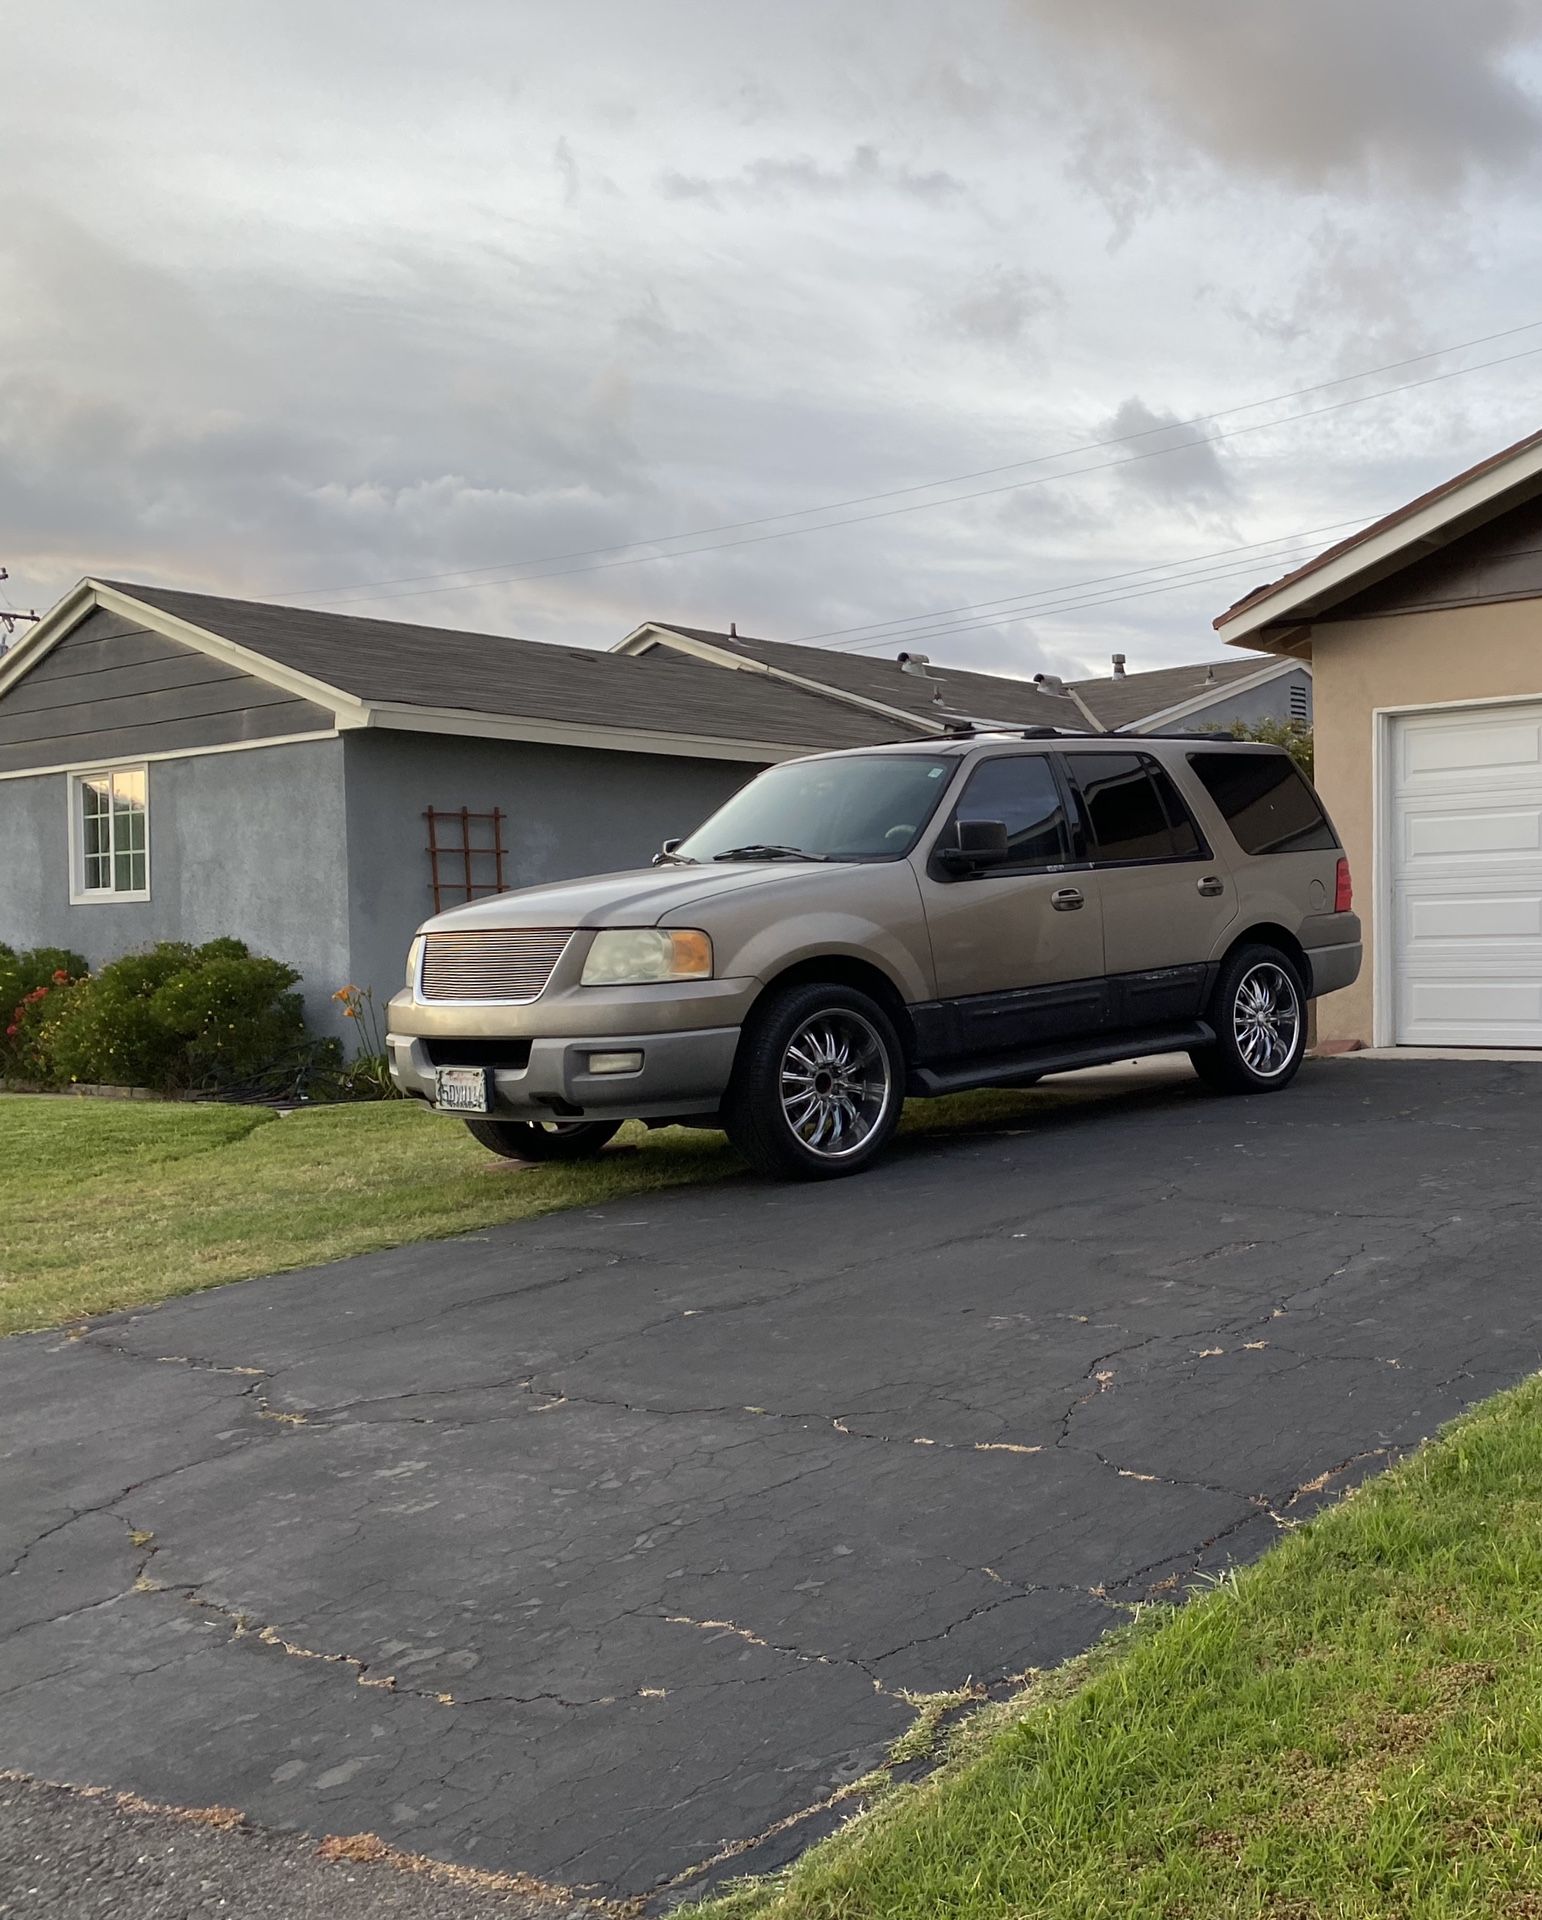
460, 585
1209, 577
469, 575
1009, 600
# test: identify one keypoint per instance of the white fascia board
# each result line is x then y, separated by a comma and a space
88, 595
721, 657
303, 686
1424, 528
45, 635
639, 640
496, 726
102, 762
1209, 696
1091, 718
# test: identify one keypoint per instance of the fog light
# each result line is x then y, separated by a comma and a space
616, 1062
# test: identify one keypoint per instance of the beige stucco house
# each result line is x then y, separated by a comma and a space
1424, 633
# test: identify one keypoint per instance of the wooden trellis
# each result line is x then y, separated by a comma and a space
465, 854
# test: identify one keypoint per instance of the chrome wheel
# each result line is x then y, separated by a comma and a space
1266, 1019
837, 1083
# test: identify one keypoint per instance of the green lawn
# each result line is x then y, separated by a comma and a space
114, 1203
1349, 1730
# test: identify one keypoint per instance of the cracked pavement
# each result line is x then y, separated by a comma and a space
612, 1548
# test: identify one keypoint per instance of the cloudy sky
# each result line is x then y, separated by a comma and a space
430, 311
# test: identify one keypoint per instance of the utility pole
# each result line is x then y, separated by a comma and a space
12, 617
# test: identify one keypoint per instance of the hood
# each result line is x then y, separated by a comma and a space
641, 898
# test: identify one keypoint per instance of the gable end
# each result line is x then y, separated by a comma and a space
113, 688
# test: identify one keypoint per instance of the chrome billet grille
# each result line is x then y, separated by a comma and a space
491, 964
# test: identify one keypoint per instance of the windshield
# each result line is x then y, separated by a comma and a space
844, 808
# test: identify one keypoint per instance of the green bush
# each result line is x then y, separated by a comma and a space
110, 1035
229, 1018
23, 973
174, 1017
34, 988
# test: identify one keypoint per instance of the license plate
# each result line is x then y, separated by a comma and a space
461, 1090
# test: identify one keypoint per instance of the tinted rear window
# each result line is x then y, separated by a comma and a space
1266, 800
1133, 811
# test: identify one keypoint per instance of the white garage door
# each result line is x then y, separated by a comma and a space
1465, 860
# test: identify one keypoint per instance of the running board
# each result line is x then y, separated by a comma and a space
928, 1082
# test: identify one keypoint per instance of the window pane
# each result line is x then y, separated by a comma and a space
137, 873
1266, 800
1123, 808
94, 801
846, 808
1185, 840
122, 873
1021, 790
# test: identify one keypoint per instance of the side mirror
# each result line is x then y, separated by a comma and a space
664, 852
980, 844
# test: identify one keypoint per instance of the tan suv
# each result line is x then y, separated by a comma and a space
853, 928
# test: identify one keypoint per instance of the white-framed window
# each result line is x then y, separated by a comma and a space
110, 834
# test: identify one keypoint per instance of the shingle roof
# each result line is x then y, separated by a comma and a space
988, 696
1119, 702
982, 696
389, 660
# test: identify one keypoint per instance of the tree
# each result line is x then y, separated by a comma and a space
1295, 736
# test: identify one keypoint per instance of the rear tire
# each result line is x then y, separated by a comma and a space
1258, 1011
818, 1084
543, 1139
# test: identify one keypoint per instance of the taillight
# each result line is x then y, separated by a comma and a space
1343, 888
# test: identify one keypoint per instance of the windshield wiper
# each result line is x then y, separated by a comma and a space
761, 850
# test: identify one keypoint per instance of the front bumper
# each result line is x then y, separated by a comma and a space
681, 1074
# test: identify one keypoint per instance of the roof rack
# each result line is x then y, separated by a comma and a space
1210, 737
964, 729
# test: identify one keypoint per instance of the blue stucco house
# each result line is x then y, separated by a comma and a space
181, 766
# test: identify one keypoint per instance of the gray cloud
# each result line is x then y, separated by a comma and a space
1191, 473
1415, 94
1001, 306
866, 170
335, 317
567, 172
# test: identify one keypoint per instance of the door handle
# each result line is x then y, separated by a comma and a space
1211, 885
1067, 899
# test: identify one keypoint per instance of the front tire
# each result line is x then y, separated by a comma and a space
1258, 1011
543, 1139
818, 1084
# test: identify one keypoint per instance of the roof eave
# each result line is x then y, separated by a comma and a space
1293, 602
408, 717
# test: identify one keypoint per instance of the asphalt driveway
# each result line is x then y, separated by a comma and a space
608, 1548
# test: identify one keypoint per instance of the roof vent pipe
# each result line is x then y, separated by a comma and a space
917, 663
1118, 666
1050, 683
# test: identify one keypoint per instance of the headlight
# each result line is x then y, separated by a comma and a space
414, 960
632, 956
